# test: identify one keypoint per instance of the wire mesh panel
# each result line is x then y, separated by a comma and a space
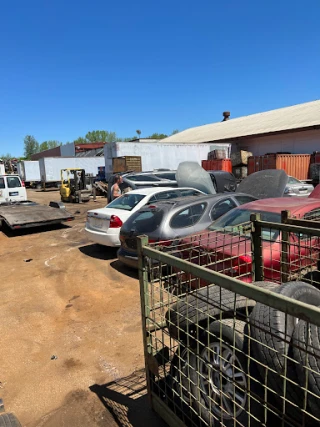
221, 350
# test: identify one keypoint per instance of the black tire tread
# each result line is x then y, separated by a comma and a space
207, 303
268, 328
310, 359
9, 420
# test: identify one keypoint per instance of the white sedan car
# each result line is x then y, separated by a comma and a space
103, 225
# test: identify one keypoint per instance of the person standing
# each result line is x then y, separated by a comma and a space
115, 189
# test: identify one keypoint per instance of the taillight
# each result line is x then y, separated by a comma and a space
23, 184
115, 222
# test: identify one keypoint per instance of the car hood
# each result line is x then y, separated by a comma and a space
191, 174
264, 184
106, 213
315, 193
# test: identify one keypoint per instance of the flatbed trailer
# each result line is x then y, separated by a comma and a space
27, 214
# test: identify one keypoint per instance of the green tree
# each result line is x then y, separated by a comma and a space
101, 136
175, 131
46, 145
138, 131
31, 146
5, 156
80, 140
158, 136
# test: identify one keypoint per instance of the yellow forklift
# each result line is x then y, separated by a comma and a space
73, 186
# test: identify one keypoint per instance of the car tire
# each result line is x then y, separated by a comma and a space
272, 332
207, 374
207, 303
9, 420
180, 366
306, 351
313, 278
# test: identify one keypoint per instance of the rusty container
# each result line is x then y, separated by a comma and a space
217, 165
296, 165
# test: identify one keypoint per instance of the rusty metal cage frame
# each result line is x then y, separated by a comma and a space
188, 338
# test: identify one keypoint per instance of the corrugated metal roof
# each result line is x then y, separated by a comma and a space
283, 119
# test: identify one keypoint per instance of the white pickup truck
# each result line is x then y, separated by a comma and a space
16, 211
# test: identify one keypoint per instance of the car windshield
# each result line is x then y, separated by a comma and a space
126, 202
238, 221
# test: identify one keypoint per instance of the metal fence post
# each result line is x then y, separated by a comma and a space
256, 239
145, 305
285, 247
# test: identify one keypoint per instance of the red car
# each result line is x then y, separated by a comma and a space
225, 246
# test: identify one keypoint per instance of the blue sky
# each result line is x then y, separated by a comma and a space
68, 67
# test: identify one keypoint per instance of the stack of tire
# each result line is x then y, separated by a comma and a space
288, 350
280, 344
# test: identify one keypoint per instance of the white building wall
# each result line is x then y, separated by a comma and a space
304, 142
157, 155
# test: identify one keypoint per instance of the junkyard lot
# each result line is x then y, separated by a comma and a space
62, 296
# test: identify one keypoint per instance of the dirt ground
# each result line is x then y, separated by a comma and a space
71, 328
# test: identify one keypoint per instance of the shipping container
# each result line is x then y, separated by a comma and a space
217, 165
126, 163
296, 165
29, 171
155, 155
50, 167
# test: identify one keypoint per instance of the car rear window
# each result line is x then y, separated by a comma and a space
292, 180
188, 216
2, 183
13, 182
126, 202
144, 178
145, 221
186, 193
167, 175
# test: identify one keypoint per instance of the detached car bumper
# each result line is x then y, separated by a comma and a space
111, 238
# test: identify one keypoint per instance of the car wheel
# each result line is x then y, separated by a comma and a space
220, 379
272, 332
181, 364
9, 420
206, 304
306, 351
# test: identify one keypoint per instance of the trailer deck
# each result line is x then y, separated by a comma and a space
30, 214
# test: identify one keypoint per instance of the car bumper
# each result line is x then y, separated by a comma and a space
128, 258
107, 239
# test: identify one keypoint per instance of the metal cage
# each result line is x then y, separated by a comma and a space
224, 343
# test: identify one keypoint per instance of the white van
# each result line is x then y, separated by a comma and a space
12, 189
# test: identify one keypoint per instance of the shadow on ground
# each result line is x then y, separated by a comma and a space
32, 230
99, 252
128, 402
131, 272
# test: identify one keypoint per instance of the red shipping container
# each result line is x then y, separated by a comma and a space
296, 165
217, 165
